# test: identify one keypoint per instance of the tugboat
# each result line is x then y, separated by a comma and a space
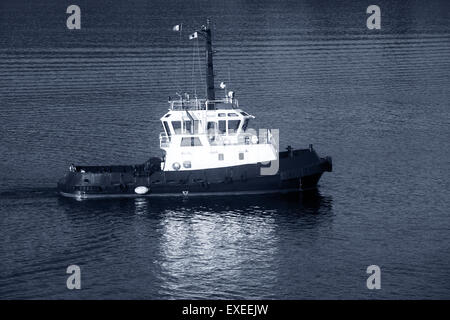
209, 149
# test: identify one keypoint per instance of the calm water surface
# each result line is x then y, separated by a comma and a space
376, 101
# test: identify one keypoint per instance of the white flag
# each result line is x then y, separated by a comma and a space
177, 27
193, 36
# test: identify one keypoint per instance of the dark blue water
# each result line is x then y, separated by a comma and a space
375, 100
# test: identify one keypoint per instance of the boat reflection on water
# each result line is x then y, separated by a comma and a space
298, 204
219, 247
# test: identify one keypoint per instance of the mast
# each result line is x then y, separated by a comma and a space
210, 94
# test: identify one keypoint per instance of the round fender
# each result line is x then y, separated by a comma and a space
141, 190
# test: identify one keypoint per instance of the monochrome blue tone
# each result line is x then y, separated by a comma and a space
375, 100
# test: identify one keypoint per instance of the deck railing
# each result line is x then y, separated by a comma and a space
223, 139
201, 104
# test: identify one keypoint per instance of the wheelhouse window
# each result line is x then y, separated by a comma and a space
197, 124
190, 142
222, 126
176, 125
245, 125
166, 127
233, 125
211, 127
187, 126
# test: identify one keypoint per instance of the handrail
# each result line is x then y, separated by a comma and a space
224, 139
201, 104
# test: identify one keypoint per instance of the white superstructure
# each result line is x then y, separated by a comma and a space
197, 138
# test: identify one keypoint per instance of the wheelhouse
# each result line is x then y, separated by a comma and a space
197, 126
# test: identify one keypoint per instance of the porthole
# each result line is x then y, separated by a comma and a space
187, 164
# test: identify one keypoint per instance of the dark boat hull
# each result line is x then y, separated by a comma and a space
298, 170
